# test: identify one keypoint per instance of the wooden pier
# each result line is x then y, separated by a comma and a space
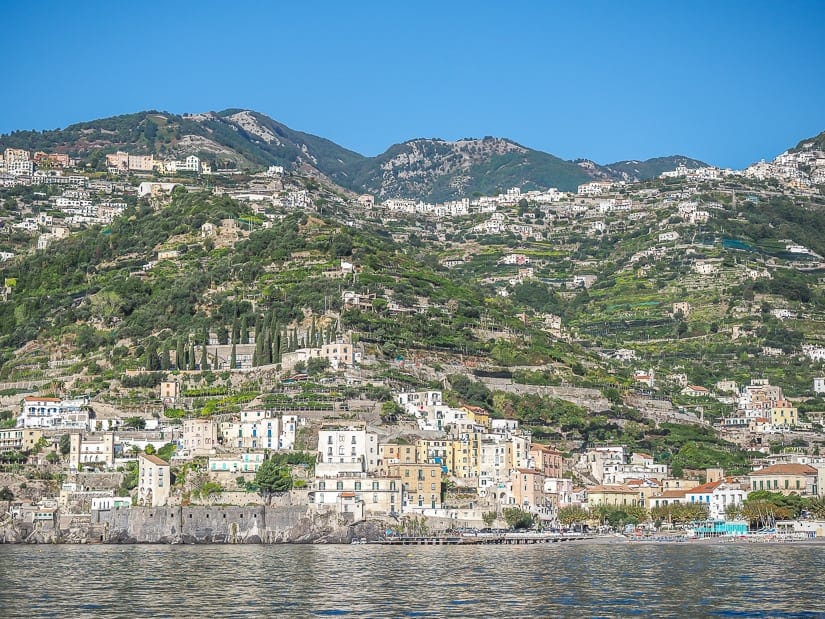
507, 538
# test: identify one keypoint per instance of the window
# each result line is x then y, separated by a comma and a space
357, 485
329, 440
353, 439
339, 485
375, 485
322, 485
786, 484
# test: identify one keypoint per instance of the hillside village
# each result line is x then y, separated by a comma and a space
177, 333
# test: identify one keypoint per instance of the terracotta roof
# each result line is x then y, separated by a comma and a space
348, 495
34, 398
154, 460
545, 448
708, 487
697, 388
786, 469
530, 471
617, 489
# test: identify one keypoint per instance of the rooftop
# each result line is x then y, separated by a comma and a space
786, 469
154, 460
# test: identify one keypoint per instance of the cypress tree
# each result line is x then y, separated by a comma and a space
165, 362
233, 360
191, 359
180, 354
204, 359
244, 331
276, 348
152, 360
267, 347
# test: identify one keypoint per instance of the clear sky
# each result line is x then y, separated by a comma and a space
728, 82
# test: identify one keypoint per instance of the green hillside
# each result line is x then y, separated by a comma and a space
651, 168
815, 143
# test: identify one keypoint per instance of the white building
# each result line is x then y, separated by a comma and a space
41, 412
96, 449
200, 436
345, 449
814, 353
718, 496
248, 462
258, 429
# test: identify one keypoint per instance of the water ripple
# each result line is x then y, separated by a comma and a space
428, 581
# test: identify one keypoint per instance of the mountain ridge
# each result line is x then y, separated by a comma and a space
428, 168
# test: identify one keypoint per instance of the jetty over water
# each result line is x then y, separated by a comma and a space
482, 538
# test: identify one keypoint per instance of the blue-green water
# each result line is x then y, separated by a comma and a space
564, 580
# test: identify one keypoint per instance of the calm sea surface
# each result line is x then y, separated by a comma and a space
565, 580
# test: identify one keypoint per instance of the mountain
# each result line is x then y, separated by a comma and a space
633, 170
430, 169
234, 138
435, 170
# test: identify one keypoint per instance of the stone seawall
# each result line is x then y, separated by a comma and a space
255, 524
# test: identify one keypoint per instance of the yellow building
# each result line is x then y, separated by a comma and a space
436, 452
784, 414
19, 439
478, 416
422, 484
613, 495
393, 453
467, 456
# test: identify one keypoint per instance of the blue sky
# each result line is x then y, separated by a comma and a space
726, 82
